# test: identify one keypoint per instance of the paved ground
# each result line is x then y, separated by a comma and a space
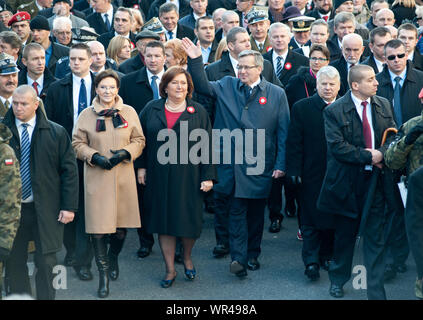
280, 277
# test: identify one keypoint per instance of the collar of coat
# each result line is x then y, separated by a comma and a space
67, 80
97, 106
411, 75
42, 122
349, 105
261, 85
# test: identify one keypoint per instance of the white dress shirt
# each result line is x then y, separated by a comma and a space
110, 15
234, 63
402, 76
359, 108
40, 82
174, 31
30, 129
275, 61
379, 64
76, 84
159, 75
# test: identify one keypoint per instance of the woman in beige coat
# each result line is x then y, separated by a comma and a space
108, 137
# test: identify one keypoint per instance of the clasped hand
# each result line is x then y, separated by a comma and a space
108, 164
377, 157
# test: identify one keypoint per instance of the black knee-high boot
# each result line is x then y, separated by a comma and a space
116, 244
100, 253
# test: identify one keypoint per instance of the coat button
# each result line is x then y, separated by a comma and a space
246, 108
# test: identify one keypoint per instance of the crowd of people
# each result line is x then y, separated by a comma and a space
109, 112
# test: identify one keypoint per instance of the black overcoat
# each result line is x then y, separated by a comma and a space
173, 200
306, 157
54, 176
300, 86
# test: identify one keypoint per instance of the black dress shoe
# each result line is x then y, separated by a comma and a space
220, 251
312, 271
253, 264
336, 291
401, 268
143, 252
275, 226
70, 260
238, 269
83, 273
390, 273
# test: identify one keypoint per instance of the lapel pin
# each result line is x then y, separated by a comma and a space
191, 109
262, 100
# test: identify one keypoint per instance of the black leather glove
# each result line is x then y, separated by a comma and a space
414, 134
101, 161
296, 180
119, 156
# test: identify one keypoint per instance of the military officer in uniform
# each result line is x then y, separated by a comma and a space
8, 81
10, 197
258, 24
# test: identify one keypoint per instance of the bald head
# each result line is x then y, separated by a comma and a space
98, 55
352, 48
384, 17
217, 17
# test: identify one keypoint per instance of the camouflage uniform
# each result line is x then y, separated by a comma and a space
10, 195
399, 155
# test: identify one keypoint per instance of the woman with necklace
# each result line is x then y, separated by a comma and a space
174, 187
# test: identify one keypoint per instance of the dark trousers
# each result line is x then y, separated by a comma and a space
17, 267
69, 238
414, 218
397, 243
146, 239
83, 248
317, 245
274, 202
221, 218
246, 222
374, 249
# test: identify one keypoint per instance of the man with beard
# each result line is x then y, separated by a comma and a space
323, 9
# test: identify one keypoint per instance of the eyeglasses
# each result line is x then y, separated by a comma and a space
245, 67
392, 57
318, 59
63, 33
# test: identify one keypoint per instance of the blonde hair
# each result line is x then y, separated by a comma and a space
405, 3
419, 11
222, 47
177, 50
115, 47
136, 14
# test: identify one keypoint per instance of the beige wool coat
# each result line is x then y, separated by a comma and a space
111, 199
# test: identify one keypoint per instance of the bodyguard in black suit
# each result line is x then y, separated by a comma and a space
137, 89
378, 38
306, 166
63, 106
354, 152
48, 79
49, 192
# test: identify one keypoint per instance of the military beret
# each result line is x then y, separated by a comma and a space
7, 64
257, 14
39, 23
154, 25
18, 17
302, 23
147, 34
67, 1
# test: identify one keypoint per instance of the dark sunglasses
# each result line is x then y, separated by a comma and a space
392, 57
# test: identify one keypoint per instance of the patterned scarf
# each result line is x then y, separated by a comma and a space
118, 120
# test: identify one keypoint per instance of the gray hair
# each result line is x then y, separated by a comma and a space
276, 25
343, 17
258, 58
215, 12
62, 22
328, 72
227, 14
352, 36
24, 89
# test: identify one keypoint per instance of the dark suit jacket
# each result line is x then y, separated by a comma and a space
294, 60
344, 186
418, 60
292, 45
49, 13
58, 52
105, 38
59, 102
96, 21
81, 5
133, 64
370, 61
184, 8
184, 31
135, 89
48, 80
342, 67
410, 103
315, 14
336, 52
188, 21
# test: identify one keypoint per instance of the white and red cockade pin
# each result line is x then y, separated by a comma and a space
191, 109
125, 124
8, 162
288, 66
262, 100
268, 48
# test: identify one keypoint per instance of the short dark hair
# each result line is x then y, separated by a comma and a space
11, 38
155, 44
168, 7
169, 75
409, 27
231, 36
127, 10
394, 44
379, 31
108, 73
356, 73
30, 47
197, 23
322, 49
81, 46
